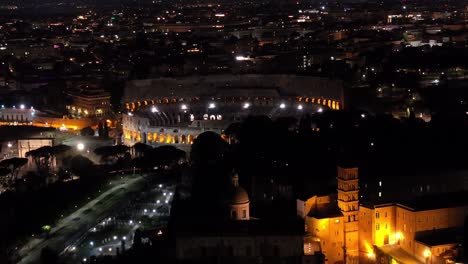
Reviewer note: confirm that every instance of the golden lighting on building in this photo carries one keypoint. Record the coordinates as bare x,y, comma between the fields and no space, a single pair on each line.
427,253
399,236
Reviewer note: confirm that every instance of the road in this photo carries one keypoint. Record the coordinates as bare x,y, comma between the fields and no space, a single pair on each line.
75,225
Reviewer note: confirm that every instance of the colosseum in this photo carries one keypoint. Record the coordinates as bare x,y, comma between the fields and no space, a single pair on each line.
176,110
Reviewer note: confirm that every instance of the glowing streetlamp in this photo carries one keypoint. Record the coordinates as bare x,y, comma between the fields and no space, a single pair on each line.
300,107
154,109
211,106
80,146
282,106
184,107
246,105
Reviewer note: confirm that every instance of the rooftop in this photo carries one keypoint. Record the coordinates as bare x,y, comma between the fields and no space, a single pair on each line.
440,236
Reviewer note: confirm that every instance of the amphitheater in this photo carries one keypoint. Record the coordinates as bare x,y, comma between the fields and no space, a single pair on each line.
176,110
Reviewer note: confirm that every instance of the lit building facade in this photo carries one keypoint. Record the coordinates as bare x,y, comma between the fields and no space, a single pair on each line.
417,231
88,101
332,221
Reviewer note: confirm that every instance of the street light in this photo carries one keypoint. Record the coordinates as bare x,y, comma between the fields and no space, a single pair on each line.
299,107
80,146
246,105
9,145
282,106
211,106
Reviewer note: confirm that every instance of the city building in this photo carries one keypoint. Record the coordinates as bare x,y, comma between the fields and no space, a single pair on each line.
177,110
88,101
225,230
344,228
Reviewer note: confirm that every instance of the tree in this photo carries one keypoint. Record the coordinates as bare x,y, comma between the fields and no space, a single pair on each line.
41,157
141,149
137,238
87,131
80,165
208,148
100,130
160,156
105,130
46,229
111,153
13,165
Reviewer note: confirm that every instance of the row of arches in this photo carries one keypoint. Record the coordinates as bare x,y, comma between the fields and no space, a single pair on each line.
168,138
159,138
332,104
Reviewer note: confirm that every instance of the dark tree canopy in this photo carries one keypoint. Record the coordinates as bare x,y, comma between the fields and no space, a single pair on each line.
80,165
87,131
208,148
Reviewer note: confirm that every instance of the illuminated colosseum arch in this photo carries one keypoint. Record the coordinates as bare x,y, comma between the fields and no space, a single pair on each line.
182,139
189,139
169,139
161,138
155,137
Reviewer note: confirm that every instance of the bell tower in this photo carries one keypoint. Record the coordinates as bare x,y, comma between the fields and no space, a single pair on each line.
348,202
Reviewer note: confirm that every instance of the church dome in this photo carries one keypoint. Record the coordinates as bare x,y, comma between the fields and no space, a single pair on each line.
239,196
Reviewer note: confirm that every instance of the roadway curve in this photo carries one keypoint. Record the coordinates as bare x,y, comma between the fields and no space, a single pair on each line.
72,227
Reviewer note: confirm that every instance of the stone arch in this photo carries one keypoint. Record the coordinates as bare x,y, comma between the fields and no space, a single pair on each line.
169,139
161,138
190,139
144,137
182,139
212,117
175,138
155,137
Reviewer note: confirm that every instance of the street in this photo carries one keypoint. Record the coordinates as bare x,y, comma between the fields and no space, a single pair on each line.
75,225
